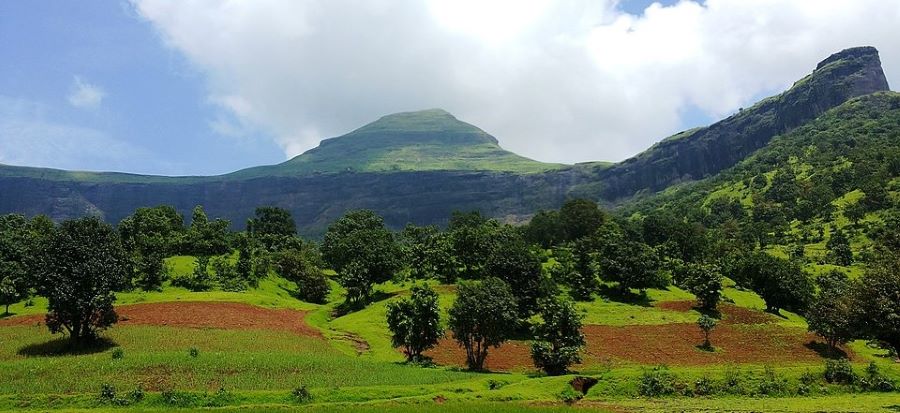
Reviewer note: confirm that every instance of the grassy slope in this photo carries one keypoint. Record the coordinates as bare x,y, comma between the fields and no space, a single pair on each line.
258,368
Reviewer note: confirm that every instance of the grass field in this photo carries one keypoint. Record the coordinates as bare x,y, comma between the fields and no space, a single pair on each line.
203,350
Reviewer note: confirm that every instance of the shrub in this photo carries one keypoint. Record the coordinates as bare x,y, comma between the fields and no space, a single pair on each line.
194,352
570,395
839,372
117,353
876,381
657,382
137,395
772,384
733,382
301,394
559,339
706,324
107,393
704,386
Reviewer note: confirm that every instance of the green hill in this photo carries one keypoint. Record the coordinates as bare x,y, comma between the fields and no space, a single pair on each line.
427,140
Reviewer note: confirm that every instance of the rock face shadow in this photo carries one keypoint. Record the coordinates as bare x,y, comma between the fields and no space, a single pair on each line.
65,347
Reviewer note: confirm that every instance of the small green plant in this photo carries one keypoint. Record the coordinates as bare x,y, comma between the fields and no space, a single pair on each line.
706,324
301,394
876,381
840,372
137,395
117,353
194,352
495,384
570,395
107,393
771,383
733,381
657,382
704,386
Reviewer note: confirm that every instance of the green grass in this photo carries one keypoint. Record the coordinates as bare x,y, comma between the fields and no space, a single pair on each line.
603,311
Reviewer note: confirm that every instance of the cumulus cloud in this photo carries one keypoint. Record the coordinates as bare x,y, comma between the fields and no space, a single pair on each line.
85,95
559,81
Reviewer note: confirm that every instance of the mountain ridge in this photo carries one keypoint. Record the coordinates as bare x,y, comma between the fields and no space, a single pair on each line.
321,184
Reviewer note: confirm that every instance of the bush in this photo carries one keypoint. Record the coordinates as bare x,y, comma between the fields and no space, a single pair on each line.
301,394
772,384
194,352
733,382
840,372
117,353
704,387
137,395
107,393
570,395
876,381
657,382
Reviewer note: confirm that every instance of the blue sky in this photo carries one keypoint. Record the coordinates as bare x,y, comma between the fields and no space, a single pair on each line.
153,99
208,87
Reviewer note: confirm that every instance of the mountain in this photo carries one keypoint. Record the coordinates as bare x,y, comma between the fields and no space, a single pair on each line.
427,140
420,166
702,152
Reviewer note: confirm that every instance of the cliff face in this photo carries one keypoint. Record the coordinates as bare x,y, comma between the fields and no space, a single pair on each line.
459,167
705,151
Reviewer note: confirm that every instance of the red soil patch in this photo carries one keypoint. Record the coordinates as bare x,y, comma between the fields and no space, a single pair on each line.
510,356
223,315
731,314
743,336
676,344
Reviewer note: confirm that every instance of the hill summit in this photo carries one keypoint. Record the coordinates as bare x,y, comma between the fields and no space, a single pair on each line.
425,140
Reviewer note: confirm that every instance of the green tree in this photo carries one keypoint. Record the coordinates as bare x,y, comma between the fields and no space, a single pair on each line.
150,235
855,212
583,279
483,316
780,282
558,339
545,229
705,282
415,322
363,251
205,237
270,220
706,324
839,247
471,237
304,267
631,265
877,300
513,261
580,218
831,313
12,284
82,265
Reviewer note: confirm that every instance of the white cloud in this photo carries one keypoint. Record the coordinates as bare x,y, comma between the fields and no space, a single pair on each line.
85,95
555,80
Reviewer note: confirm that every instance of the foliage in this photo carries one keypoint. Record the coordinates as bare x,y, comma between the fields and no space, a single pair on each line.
580,218
227,275
656,382
781,283
877,299
206,238
840,371
363,251
471,239
83,264
558,339
545,229
415,322
270,220
839,248
483,316
831,314
303,267
706,324
513,261
428,253
705,282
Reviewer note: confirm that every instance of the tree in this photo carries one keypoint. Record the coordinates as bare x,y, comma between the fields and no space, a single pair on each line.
705,282
855,212
207,238
580,218
545,229
839,247
227,274
831,313
631,265
271,221
513,261
415,322
582,276
483,316
558,339
151,234
428,253
12,284
82,265
780,282
304,267
471,238
877,300
706,324
363,251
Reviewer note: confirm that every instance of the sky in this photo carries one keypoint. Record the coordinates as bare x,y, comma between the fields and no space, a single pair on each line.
200,87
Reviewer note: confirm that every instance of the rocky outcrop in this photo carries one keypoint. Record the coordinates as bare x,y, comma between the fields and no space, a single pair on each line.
703,152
